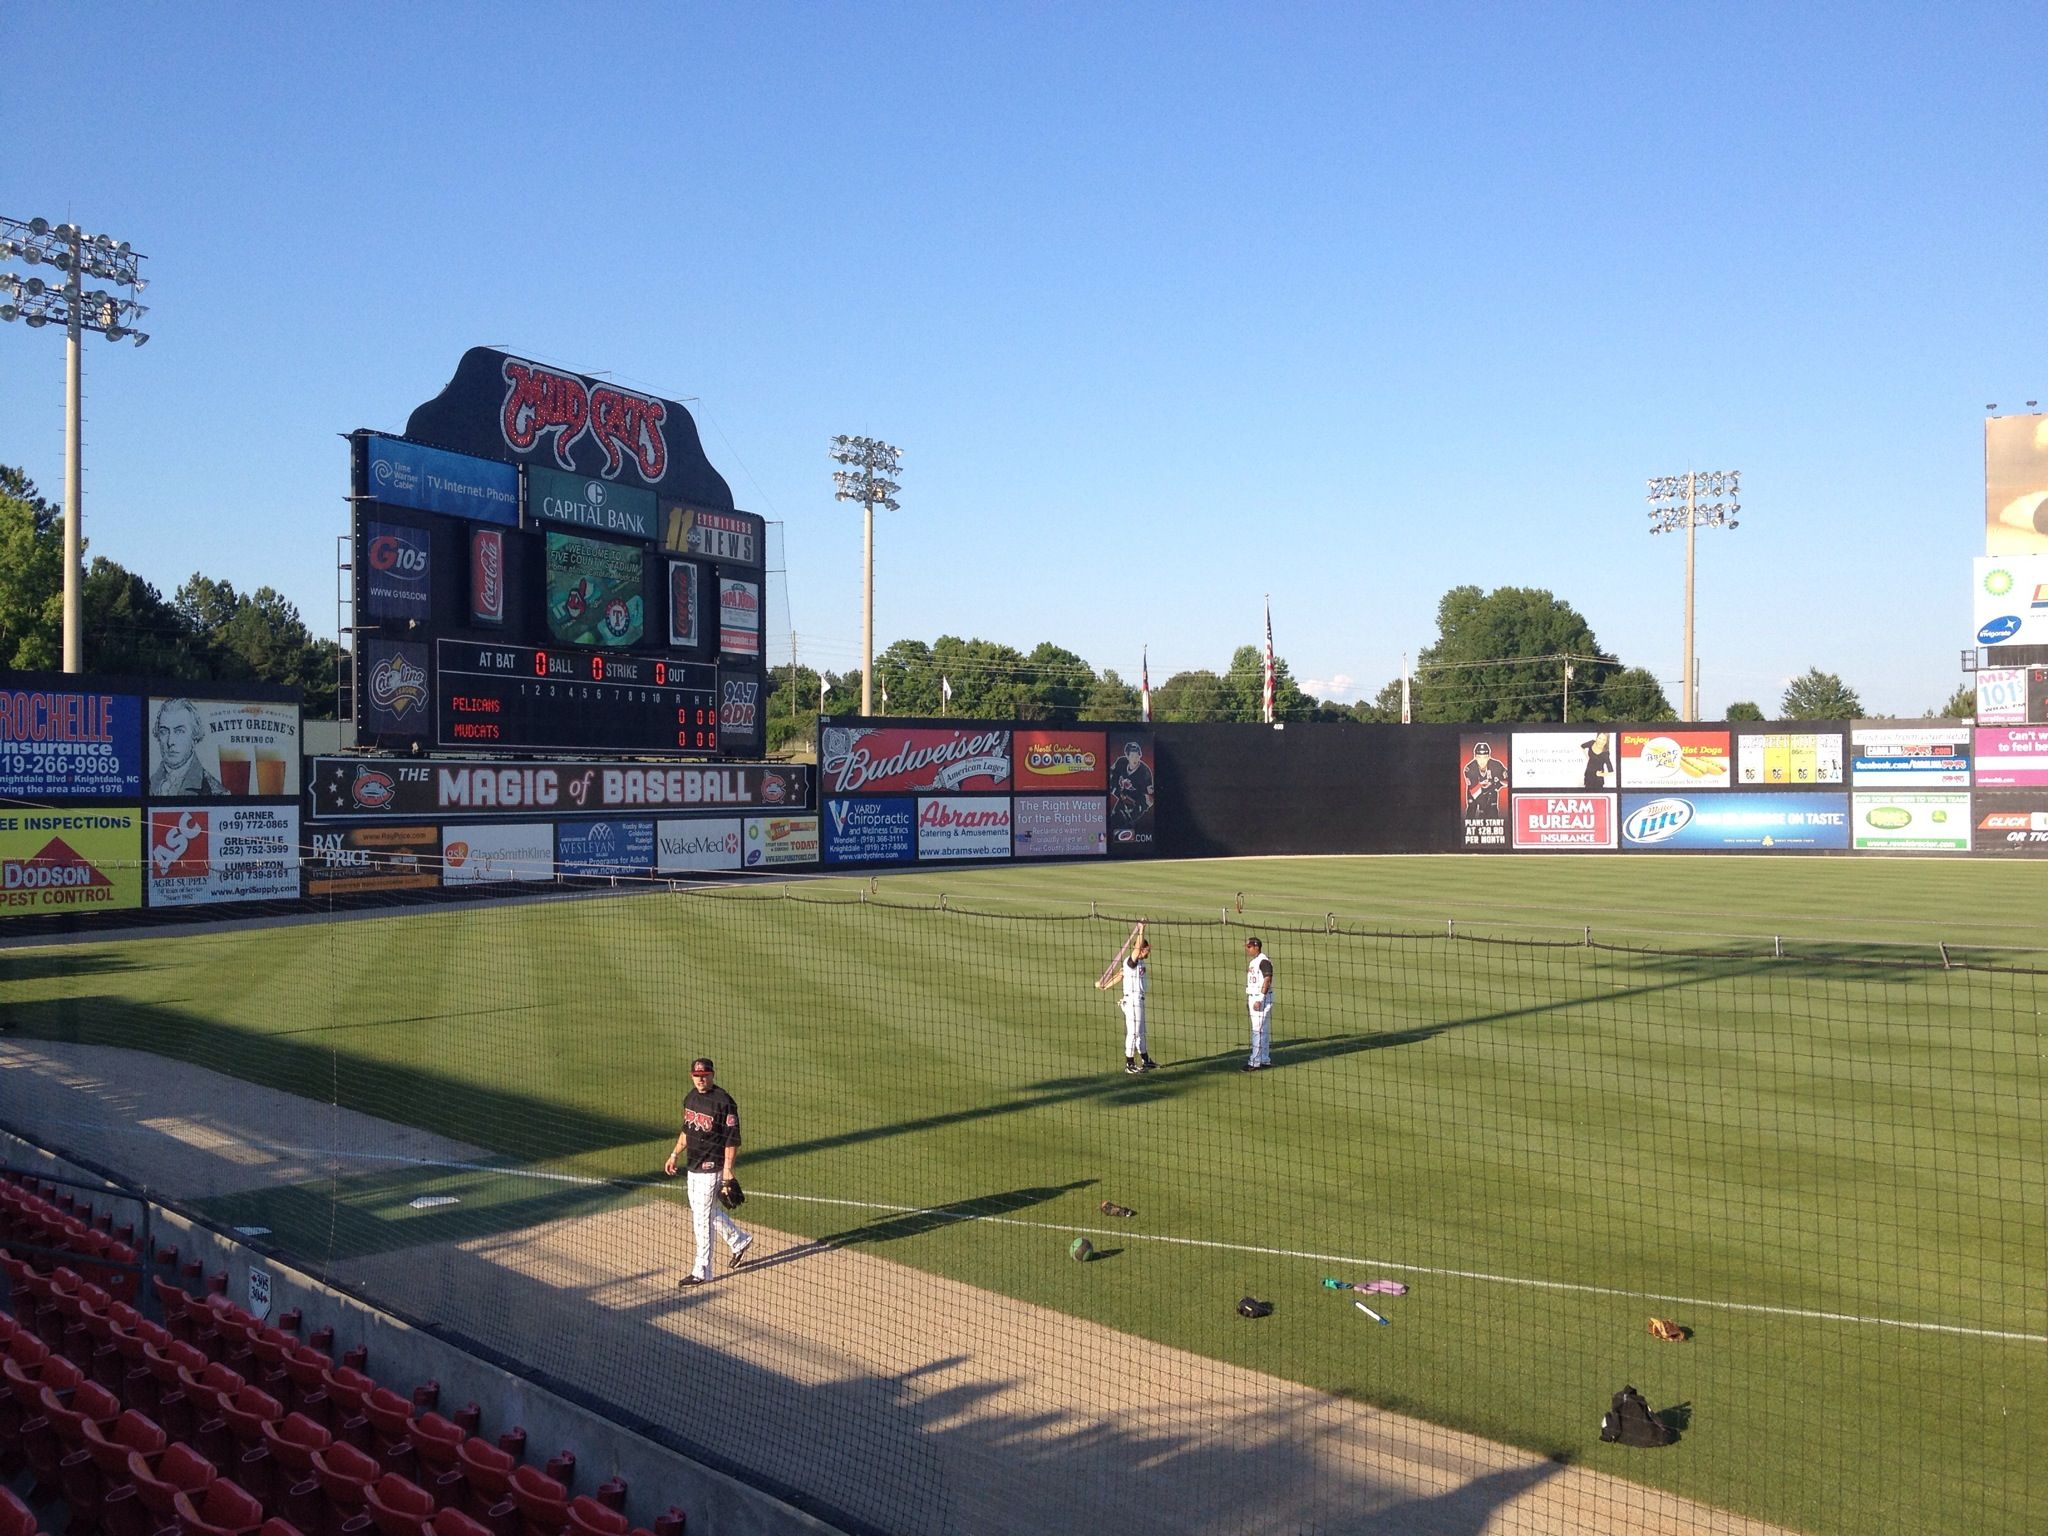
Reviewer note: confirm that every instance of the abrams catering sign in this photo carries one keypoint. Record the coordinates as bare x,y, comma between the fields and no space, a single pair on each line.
387,789
521,412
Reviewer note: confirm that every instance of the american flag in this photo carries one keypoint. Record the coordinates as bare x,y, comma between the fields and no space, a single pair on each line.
1269,660
1145,684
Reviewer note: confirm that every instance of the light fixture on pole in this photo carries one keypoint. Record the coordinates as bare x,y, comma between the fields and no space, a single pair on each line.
1681,501
69,303
868,478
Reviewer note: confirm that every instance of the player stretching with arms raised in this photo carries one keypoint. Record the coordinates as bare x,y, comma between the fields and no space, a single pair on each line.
1133,1004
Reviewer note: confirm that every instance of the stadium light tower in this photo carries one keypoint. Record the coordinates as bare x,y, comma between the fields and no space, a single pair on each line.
868,478
78,255
1676,502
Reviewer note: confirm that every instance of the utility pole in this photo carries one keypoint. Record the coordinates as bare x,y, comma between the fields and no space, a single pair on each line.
869,479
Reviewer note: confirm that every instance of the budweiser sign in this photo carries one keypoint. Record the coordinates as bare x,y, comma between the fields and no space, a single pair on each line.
879,759
541,402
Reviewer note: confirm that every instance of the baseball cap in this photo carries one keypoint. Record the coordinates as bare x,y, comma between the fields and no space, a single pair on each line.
1248,943
702,1064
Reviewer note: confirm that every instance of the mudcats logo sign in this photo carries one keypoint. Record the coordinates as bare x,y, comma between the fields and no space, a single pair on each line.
542,403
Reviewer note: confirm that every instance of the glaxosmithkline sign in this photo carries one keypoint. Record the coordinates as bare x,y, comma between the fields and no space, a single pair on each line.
386,789
866,760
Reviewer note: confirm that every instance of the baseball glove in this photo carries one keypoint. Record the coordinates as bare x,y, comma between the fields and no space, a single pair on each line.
1663,1328
730,1195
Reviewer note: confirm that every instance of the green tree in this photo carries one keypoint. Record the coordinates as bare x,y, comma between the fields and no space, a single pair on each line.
1192,696
1743,709
134,630
1961,705
31,576
1818,695
1110,698
1383,708
1500,656
1059,681
1245,688
906,669
1631,694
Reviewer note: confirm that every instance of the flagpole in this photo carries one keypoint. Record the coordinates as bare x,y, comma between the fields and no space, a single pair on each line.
1269,659
1145,683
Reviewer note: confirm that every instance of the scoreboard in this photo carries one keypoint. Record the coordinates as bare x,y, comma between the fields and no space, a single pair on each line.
500,698
545,563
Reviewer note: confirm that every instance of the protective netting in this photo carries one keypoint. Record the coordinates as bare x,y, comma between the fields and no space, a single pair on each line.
1826,1165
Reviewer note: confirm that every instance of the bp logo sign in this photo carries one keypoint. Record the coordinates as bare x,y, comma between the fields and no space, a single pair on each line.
1998,581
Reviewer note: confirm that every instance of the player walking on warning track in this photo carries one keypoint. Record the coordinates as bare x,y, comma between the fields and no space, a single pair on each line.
1258,998
709,1143
1133,1005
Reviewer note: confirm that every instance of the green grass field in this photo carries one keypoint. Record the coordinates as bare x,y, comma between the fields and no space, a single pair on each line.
1832,1147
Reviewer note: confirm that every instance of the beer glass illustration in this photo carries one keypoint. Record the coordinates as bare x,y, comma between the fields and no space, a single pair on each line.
234,767
270,763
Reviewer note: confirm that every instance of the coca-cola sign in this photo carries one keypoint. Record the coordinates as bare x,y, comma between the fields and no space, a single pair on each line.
487,576
516,410
871,760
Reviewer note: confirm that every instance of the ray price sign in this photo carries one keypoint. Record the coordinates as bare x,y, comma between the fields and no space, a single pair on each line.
518,698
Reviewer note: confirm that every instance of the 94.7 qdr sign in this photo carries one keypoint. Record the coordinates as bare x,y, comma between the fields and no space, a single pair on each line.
516,698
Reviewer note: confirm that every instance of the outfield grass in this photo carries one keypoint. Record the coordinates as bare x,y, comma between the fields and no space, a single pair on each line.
1823,1147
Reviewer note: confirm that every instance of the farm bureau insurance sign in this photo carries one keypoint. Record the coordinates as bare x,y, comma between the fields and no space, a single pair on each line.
1563,823
866,760
386,789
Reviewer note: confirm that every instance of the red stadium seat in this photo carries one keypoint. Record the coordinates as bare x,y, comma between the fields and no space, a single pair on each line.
16,1518
291,1443
157,1481
346,1390
165,1399
453,1522
487,1472
438,1441
102,1465
390,1419
55,1432
587,1517
306,1369
397,1505
224,1509
343,1472
543,1503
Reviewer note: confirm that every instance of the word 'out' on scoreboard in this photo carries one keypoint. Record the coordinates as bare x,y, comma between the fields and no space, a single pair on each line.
545,562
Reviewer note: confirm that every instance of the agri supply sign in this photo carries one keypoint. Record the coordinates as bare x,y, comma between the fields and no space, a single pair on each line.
1769,822
1062,760
870,760
954,827
775,841
870,831
60,744
1910,821
1563,823
1789,758
2013,757
201,854
1922,757
70,861
1655,759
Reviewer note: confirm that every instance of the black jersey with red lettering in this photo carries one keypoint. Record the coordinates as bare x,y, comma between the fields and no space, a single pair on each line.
711,1123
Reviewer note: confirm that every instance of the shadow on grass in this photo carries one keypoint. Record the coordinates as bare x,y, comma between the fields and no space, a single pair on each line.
43,966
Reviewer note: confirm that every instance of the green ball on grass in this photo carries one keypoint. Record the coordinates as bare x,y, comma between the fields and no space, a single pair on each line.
1080,1250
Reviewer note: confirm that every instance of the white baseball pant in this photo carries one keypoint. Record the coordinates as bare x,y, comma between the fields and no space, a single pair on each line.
705,1215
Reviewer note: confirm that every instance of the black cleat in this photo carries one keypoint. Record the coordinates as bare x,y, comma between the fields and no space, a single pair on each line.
738,1256
689,1280
1131,1064
1147,1064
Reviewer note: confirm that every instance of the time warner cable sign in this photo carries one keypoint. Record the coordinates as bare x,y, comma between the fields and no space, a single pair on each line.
1762,821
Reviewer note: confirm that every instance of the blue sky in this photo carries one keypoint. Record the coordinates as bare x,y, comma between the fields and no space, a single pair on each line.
1168,307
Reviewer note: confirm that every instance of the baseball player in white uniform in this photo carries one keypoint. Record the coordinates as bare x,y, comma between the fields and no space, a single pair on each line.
1258,998
1133,1005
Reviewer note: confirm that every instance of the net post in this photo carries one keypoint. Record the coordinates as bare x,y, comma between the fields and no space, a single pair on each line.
1777,946
1450,927
1329,922
1944,958
1589,936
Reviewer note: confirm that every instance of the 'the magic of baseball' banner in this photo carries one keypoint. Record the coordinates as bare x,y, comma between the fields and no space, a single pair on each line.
59,745
1672,759
388,789
1563,823
1740,819
70,861
885,758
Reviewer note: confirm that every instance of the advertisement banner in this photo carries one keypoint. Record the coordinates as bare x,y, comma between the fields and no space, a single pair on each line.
395,565
870,831
1739,819
1133,797
871,759
486,576
1791,758
739,711
739,617
399,789
213,747
1659,758
58,744
1060,826
2002,696
1564,823
2010,600
2016,486
433,480
730,538
776,841
2011,823
1061,760
584,848
495,854
953,827
624,511
593,591
1561,760
1908,820
1483,787
2011,757
360,859
201,854
713,843
1925,757
392,697
682,603
70,861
